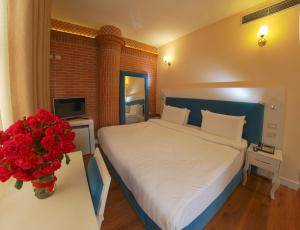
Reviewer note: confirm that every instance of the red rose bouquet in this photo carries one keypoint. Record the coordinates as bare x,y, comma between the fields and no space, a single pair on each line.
32,149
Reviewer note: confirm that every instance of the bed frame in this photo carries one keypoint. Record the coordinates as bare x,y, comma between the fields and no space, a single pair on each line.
254,113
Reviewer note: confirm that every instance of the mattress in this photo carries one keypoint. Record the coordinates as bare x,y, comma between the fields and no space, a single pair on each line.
174,172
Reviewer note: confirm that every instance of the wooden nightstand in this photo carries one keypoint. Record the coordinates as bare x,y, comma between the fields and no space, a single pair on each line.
269,162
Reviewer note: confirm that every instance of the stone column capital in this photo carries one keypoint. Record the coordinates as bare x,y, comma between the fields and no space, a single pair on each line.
110,39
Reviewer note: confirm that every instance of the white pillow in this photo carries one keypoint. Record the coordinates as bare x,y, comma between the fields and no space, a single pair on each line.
136,109
174,115
187,116
227,126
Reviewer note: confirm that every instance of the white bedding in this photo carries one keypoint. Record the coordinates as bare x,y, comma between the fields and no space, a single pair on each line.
173,171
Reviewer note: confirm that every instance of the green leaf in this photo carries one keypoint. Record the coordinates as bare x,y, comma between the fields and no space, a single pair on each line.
18,184
67,159
45,179
61,157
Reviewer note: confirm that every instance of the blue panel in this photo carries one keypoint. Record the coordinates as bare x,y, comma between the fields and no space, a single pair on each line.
136,102
122,98
198,223
254,113
95,182
122,93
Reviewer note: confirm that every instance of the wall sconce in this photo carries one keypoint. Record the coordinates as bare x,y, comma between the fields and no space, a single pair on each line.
263,31
167,60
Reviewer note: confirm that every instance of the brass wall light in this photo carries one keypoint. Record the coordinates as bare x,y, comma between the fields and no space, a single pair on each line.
262,32
167,60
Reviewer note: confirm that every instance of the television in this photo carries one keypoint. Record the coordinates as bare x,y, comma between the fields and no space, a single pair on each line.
68,108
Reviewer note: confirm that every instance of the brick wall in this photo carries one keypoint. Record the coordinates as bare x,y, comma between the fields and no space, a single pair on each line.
76,74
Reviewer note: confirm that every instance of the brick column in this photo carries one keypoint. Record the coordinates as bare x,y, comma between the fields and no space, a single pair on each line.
110,44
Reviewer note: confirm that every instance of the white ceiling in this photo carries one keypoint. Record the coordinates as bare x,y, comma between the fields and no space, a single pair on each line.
155,22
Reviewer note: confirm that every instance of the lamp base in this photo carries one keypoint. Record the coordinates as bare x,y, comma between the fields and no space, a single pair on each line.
262,42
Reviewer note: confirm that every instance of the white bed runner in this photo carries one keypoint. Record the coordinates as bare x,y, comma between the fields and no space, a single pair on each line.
173,171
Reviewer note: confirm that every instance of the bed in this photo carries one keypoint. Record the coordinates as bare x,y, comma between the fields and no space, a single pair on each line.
175,176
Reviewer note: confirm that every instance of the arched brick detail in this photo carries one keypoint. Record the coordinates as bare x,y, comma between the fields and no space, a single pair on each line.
110,30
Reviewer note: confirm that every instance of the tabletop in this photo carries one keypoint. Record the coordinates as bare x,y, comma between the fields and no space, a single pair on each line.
70,207
277,154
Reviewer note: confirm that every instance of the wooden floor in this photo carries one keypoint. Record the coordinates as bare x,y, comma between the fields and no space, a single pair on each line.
249,207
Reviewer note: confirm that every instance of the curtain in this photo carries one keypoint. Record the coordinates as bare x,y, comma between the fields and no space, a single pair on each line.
6,117
28,49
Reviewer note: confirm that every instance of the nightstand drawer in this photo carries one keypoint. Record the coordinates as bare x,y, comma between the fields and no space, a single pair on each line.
264,162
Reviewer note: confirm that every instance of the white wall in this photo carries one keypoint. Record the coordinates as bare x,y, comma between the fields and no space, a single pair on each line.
226,55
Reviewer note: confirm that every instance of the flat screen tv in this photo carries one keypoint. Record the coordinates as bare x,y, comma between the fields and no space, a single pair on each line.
68,108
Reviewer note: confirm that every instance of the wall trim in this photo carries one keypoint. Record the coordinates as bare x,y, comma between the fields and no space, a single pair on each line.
283,180
289,183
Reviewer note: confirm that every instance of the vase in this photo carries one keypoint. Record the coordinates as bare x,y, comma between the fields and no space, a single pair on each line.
44,186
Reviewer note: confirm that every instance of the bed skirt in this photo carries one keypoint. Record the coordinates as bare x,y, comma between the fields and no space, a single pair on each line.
199,223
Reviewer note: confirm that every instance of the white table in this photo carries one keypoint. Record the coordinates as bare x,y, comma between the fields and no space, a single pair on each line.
265,161
69,208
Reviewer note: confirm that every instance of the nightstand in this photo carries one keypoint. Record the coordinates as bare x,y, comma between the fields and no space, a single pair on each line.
266,161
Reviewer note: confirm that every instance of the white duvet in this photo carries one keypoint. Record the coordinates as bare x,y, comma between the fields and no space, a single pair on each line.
173,171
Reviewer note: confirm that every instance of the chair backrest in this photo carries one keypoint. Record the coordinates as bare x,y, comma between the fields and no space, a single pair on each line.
106,179
95,182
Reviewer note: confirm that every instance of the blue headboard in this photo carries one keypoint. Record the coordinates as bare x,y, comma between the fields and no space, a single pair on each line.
254,113
136,102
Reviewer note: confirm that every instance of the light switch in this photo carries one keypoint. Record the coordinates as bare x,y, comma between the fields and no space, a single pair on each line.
272,126
271,134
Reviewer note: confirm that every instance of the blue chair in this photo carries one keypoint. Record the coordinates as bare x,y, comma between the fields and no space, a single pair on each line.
99,182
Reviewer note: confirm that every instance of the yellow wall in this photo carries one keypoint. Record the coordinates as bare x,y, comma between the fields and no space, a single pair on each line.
226,54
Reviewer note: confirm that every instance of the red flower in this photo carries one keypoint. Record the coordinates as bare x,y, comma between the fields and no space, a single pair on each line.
10,149
3,137
66,146
51,168
37,133
51,131
22,175
38,174
63,125
48,142
32,148
44,116
16,128
32,122
24,163
69,136
5,174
